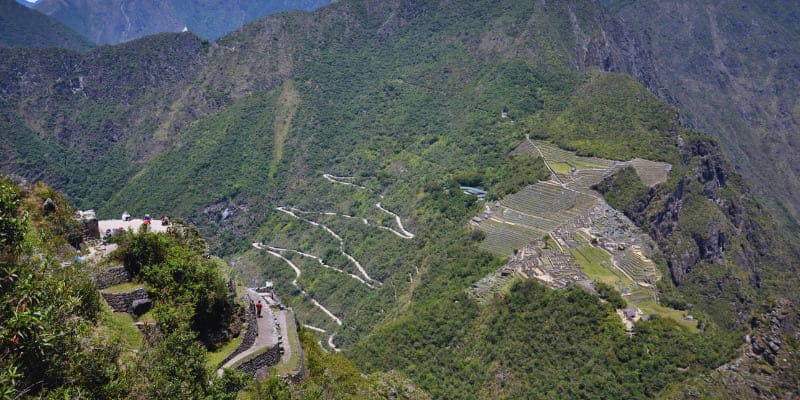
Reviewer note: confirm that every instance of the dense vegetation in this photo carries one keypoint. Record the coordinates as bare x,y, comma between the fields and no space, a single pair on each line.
57,339
187,286
333,376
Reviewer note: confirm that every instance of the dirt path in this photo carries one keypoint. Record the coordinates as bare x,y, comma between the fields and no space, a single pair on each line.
321,263
298,272
342,180
336,236
403,232
546,164
287,105
330,338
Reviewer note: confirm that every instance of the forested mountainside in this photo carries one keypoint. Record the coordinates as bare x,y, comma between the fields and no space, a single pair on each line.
324,151
22,27
732,68
110,22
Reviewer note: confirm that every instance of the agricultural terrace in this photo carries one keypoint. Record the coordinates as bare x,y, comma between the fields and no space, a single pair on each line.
530,214
651,172
562,161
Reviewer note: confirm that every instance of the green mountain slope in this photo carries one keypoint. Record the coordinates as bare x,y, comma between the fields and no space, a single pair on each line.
731,69
333,144
90,114
22,27
111,22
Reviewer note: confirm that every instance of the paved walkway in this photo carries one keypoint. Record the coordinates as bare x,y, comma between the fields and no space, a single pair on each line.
267,334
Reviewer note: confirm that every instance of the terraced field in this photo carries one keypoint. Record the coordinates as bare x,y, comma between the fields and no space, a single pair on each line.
502,238
598,241
651,172
549,200
583,179
554,154
642,271
541,224
530,214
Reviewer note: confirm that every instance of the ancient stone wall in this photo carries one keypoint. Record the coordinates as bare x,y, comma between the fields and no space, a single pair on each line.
91,228
265,359
250,334
298,376
123,302
110,277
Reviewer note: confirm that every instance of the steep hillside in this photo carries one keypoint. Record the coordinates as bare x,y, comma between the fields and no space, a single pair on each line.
110,22
731,68
324,151
22,27
84,121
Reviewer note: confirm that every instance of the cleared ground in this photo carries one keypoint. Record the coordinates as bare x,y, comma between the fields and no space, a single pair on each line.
133,225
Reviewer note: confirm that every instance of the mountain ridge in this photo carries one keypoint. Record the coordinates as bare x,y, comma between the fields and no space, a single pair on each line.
21,26
123,20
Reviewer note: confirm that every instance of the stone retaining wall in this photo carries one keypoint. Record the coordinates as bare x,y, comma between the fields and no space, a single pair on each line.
123,302
250,334
91,228
298,376
265,359
110,277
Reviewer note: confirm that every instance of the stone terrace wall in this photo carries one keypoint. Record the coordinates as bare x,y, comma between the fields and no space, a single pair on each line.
123,302
265,359
110,277
249,336
300,375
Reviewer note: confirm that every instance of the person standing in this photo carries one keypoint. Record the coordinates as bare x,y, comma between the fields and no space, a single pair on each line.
258,308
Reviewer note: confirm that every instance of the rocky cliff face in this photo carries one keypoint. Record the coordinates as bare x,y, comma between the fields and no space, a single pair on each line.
732,68
716,242
767,362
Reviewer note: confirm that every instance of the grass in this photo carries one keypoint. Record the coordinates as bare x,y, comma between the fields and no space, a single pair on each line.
124,287
560,167
595,264
121,328
651,307
147,317
294,343
591,260
213,359
284,113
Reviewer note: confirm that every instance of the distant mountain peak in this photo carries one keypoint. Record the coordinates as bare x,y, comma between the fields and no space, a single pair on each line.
28,3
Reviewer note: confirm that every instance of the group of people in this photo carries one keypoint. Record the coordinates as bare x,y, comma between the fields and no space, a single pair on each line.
147,219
